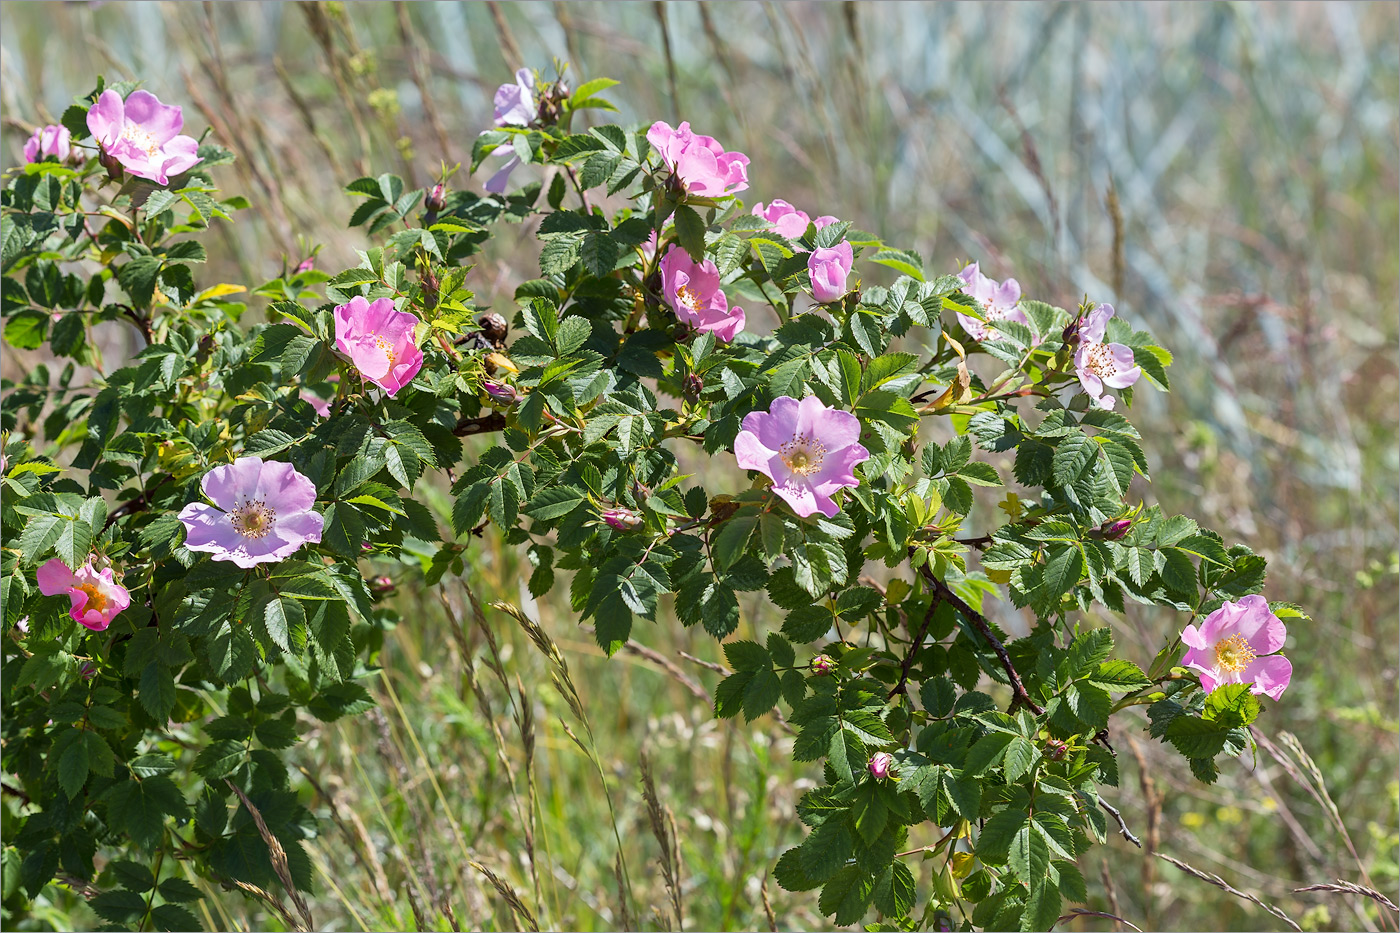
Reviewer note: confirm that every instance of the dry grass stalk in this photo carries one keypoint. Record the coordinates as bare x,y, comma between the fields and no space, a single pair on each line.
508,894
1225,886
1347,887
279,859
663,828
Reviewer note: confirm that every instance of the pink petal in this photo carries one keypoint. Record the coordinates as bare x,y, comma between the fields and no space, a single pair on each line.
207,528
227,486
1221,623
1270,675
145,110
1192,638
1095,324
804,499
106,118
281,488
749,451
1264,631
55,577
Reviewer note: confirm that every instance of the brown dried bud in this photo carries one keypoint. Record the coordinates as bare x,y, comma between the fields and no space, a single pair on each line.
493,328
692,387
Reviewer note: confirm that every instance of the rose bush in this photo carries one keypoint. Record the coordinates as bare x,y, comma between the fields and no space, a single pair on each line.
195,537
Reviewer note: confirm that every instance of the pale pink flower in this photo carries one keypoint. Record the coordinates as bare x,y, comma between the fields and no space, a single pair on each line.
379,341
1000,301
515,103
703,167
143,135
830,267
262,512
1231,646
787,220
51,140
96,595
1099,364
809,451
694,294
880,765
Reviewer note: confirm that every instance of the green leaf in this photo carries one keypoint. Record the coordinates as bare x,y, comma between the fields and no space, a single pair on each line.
1063,570
553,502
690,231
73,762
1119,674
1072,455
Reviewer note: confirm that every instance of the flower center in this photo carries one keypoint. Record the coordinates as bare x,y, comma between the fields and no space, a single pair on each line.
141,139
1101,363
253,519
96,601
1233,654
803,454
688,298
388,348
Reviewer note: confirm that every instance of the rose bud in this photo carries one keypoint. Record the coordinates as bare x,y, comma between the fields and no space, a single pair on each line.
306,265
111,164
382,586
500,393
622,519
1113,530
823,664
880,765
437,198
1055,750
693,386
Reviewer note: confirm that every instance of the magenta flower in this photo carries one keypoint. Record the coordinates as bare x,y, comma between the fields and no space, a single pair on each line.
693,290
1000,301
515,103
829,268
1230,648
262,512
1099,364
787,220
622,519
97,597
809,451
703,167
51,140
880,765
143,135
379,341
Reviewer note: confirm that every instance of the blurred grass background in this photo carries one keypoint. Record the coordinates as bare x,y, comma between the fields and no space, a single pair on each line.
1225,174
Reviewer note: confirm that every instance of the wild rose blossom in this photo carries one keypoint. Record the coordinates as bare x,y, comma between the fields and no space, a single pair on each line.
830,267
787,220
694,294
379,341
515,102
1099,364
143,135
262,512
96,595
703,167
51,140
808,450
880,765
1236,645
1000,301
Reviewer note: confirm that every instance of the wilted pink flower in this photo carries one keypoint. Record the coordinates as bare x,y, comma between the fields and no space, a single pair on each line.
96,595
787,220
262,512
809,451
515,103
880,765
829,268
1099,364
693,290
823,664
1000,301
703,167
501,393
51,140
622,519
1230,648
379,341
143,135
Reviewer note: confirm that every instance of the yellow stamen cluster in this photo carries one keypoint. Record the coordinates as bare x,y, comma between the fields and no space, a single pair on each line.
1101,361
252,519
1233,654
383,344
96,600
688,298
803,454
141,139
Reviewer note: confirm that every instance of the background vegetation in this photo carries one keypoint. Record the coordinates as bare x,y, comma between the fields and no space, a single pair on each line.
1226,175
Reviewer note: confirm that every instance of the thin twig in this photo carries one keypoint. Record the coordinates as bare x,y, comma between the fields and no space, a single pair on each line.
914,645
486,424
1225,886
1122,826
663,662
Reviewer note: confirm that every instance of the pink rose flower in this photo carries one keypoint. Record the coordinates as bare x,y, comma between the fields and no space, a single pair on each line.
829,268
1099,364
51,140
880,765
515,103
143,135
262,512
694,294
97,597
787,220
379,341
1000,301
1231,646
703,167
809,451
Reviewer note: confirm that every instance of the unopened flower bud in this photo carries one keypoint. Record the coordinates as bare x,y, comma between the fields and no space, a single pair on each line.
881,763
693,386
493,327
823,664
437,198
380,587
430,288
1114,530
500,393
88,670
306,265
1070,335
1055,750
622,519
111,164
